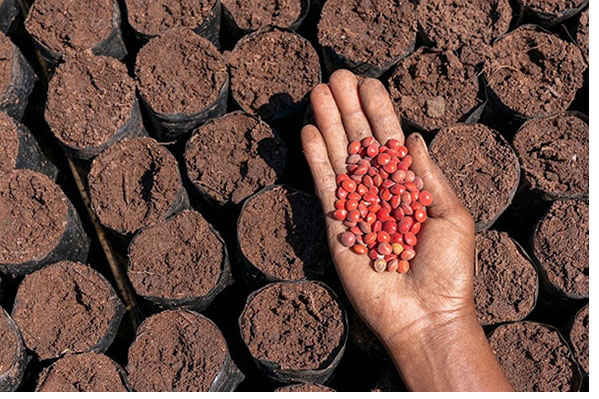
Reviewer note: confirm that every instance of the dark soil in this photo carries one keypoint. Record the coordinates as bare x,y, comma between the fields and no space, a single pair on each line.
551,6
579,336
6,62
305,387
9,142
582,33
8,345
253,15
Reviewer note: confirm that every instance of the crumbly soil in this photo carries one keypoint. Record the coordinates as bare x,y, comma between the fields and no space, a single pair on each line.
258,13
6,62
582,33
298,326
9,143
8,345
551,6
89,99
305,387
272,71
376,32
533,357
232,157
579,336
281,232
434,89
176,351
180,73
481,167
554,154
505,280
561,244
71,317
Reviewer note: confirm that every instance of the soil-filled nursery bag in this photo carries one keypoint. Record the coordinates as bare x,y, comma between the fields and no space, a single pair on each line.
8,11
16,79
579,337
13,356
548,13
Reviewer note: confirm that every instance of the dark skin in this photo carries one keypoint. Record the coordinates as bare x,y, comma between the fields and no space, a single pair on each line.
426,317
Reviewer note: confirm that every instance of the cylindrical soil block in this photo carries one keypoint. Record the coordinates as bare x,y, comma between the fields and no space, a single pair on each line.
554,154
533,73
183,80
16,79
67,307
561,247
551,12
84,372
181,262
582,33
272,72
244,16
464,26
295,331
535,358
432,89
92,104
9,9
180,351
579,337
505,281
367,37
230,158
481,167
13,356
38,224
305,387
60,27
134,184
281,235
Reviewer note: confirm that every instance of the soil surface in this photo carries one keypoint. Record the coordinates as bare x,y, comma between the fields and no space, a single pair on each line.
272,71
305,387
134,184
579,336
33,216
281,232
376,32
176,259
176,351
253,15
433,89
71,317
6,62
561,244
249,157
551,6
89,99
9,142
534,73
582,33
8,345
505,280
86,372
533,357
554,154
481,167
180,72
298,326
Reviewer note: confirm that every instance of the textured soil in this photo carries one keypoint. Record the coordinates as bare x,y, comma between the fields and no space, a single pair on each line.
177,351
305,387
282,233
561,244
86,372
534,73
376,32
433,89
89,99
554,154
6,62
481,167
258,13
9,143
176,259
8,345
551,6
505,281
272,71
180,72
134,184
248,157
71,317
582,33
579,336
298,326
534,357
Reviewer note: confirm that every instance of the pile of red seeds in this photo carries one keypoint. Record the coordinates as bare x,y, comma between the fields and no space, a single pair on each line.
382,202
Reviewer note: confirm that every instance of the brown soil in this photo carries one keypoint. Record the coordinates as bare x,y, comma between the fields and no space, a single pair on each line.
534,73
505,281
258,13
134,184
8,345
376,32
554,154
533,357
9,143
298,326
33,216
86,372
281,232
232,157
481,167
6,62
71,317
561,244
551,6
579,336
582,33
155,17
176,351
272,71
305,387
433,89
89,99
176,259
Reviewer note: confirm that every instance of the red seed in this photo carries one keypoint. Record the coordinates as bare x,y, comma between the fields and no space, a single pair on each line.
372,150
351,204
377,179
353,147
359,249
410,176
390,226
390,257
354,196
411,187
402,150
374,208
383,149
397,238
379,265
385,205
415,195
382,215
426,198
398,189
419,183
416,205
362,189
353,159
407,160
395,201
415,229
393,265
383,159
370,197
348,239
363,209
370,218
406,198
364,227
391,167
341,193
398,176
341,177
384,248
398,213
385,194
374,190
350,223
353,216
356,230
366,141
370,238
397,248
367,181
388,183
393,144
377,226
383,236
356,178
340,214
349,185
410,239
361,170
405,224
420,215
408,254
340,204
403,266
372,254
